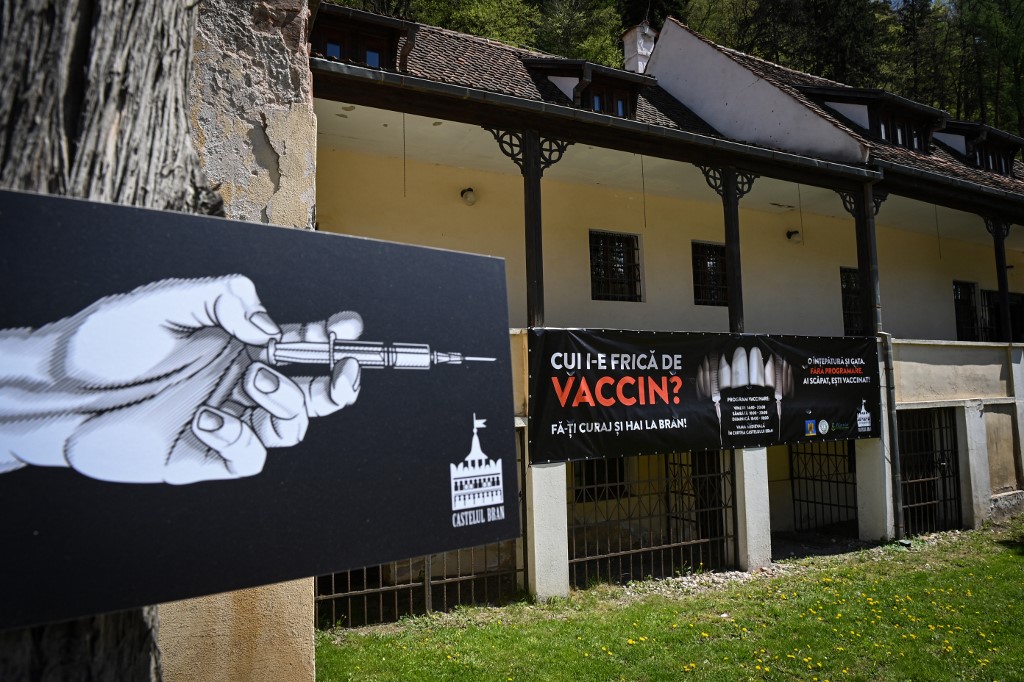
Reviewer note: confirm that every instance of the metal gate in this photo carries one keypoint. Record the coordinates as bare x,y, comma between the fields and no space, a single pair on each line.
638,517
824,483
930,470
488,574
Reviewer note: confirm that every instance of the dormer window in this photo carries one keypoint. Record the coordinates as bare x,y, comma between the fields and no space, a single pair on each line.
993,160
593,87
607,99
981,146
350,35
901,132
890,118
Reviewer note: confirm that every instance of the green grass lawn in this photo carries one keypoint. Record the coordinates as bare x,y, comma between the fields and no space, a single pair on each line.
949,607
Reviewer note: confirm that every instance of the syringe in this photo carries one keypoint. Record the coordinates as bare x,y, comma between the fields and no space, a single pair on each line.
366,353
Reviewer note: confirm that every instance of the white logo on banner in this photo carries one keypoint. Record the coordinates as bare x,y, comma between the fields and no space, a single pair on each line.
476,484
863,418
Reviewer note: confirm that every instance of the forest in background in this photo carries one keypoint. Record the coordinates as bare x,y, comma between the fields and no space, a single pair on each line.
963,56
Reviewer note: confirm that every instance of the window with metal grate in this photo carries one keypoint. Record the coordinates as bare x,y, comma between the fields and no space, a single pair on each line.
853,316
614,266
710,284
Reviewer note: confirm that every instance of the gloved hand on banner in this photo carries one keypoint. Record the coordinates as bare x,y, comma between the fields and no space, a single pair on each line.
163,384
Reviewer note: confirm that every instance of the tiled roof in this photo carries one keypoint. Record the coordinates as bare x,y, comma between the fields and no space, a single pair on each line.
460,59
446,56
939,161
944,162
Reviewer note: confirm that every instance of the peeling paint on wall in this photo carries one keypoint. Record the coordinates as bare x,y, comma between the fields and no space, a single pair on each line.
252,109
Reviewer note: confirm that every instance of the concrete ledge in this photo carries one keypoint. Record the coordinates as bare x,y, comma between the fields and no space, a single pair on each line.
1005,505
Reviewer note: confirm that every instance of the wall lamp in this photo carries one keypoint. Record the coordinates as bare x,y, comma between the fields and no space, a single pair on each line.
794,236
468,196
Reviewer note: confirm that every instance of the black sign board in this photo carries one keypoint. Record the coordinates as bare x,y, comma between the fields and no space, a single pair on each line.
610,393
191,405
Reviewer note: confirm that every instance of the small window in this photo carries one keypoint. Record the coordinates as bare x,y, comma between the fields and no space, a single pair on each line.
607,99
965,306
614,266
333,49
853,315
599,479
373,58
710,283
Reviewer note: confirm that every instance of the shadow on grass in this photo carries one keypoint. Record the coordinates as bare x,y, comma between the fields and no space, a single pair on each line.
840,538
1015,543
1013,534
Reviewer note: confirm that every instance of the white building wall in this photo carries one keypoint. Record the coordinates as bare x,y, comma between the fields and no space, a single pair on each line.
789,287
741,105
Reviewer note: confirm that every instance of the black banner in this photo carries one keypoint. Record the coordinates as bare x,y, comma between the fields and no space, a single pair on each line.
610,393
192,405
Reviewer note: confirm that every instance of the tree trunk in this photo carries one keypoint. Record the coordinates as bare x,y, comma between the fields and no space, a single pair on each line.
94,102
95,106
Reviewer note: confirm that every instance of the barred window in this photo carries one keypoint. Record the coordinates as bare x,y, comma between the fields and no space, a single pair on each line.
965,305
600,479
710,284
853,313
990,317
614,266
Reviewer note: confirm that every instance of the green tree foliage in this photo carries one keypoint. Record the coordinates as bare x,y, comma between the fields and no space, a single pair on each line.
836,39
581,29
510,21
963,56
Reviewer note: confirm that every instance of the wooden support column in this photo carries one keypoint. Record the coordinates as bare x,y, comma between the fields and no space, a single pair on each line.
533,154
863,205
1000,229
732,185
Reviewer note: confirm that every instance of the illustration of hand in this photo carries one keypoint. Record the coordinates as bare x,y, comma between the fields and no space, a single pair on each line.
163,384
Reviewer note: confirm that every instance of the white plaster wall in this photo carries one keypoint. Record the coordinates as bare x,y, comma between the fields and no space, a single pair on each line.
950,371
789,287
875,520
753,510
739,104
547,519
373,196
564,83
975,487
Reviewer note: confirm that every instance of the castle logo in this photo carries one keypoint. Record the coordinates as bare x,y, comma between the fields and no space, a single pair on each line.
478,494
863,418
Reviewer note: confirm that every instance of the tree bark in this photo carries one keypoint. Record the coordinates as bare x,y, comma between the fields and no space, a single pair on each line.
95,106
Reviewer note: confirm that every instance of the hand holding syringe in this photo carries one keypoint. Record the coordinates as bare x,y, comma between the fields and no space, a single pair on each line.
372,354
179,381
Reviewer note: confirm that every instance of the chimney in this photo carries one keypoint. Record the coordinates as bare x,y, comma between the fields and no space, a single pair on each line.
637,46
